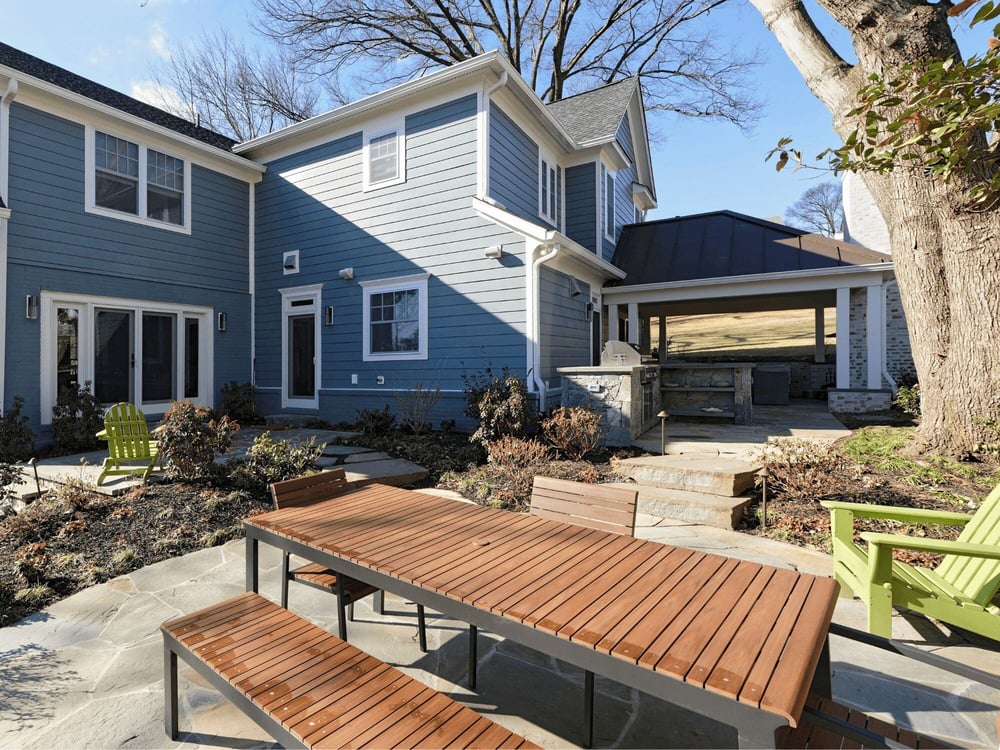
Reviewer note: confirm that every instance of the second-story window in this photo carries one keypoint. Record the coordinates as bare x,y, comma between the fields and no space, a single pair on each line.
116,180
608,202
549,188
384,157
131,181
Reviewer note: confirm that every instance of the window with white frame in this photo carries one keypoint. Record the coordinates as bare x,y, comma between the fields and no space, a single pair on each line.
128,180
384,158
146,353
608,202
549,188
395,318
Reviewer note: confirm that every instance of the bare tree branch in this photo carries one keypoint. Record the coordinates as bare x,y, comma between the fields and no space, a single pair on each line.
218,82
571,45
819,209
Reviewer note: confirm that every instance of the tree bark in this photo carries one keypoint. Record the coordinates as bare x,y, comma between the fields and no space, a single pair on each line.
946,258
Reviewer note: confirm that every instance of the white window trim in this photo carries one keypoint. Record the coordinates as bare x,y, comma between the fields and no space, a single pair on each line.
312,293
543,212
378,286
604,171
91,207
369,134
87,305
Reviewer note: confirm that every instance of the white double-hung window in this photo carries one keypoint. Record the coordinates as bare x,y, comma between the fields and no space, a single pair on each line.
607,190
384,157
395,318
128,180
549,188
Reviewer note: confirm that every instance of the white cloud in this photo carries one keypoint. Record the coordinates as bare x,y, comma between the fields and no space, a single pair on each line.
99,55
153,93
157,41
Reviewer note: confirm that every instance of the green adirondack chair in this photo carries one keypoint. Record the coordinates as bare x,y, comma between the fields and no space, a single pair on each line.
959,591
130,448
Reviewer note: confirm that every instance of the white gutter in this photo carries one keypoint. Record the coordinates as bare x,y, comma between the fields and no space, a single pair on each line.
5,99
548,252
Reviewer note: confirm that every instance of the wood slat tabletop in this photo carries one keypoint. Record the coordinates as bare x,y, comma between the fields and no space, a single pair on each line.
748,631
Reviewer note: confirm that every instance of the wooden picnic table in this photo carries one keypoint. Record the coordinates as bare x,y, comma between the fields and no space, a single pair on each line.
734,640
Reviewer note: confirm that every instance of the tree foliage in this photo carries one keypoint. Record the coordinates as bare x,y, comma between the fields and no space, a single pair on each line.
559,48
820,209
222,84
933,115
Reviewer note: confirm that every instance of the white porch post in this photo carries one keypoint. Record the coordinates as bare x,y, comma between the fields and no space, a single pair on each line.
875,330
820,352
612,322
633,323
844,337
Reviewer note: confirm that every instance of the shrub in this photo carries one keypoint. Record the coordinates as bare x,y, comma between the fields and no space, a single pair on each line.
16,438
191,439
500,403
574,430
77,417
908,399
375,422
238,401
10,475
802,469
516,453
270,460
415,406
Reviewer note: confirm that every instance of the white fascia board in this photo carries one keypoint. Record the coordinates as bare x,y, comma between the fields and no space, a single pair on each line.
785,282
640,143
642,197
546,237
301,135
69,105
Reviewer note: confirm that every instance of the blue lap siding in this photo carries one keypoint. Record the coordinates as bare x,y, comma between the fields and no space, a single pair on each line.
55,246
313,202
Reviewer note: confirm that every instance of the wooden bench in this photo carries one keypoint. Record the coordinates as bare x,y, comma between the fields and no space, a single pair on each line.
828,724
308,688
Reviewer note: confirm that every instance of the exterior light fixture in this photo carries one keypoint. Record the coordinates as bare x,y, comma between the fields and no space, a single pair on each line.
31,307
328,315
494,252
223,321
346,273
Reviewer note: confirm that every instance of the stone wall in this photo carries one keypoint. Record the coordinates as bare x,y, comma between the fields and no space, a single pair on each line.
617,394
857,401
898,356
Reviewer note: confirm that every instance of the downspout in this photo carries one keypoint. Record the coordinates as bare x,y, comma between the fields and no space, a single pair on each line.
252,274
534,321
484,188
5,99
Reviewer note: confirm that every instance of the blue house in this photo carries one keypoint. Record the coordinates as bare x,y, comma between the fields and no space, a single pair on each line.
448,224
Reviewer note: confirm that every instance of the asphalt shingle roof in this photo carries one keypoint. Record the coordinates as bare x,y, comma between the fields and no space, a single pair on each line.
725,243
594,115
38,68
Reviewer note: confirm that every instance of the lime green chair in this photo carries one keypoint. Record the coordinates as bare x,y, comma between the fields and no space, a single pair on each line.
129,442
959,591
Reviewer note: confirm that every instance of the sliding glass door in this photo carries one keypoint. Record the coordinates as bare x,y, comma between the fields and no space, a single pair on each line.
114,355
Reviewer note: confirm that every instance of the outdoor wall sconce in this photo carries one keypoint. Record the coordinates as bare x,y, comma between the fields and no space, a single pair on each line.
223,321
346,273
588,311
494,252
31,307
328,315
290,262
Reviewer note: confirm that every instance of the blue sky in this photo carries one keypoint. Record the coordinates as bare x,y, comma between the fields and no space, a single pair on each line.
698,165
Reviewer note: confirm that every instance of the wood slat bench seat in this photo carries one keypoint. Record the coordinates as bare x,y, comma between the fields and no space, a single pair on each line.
308,688
811,733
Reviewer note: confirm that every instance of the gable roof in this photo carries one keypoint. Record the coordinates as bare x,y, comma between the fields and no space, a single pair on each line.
38,68
594,116
723,244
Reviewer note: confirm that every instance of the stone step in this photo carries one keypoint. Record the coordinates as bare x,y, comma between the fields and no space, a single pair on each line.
714,476
720,511
395,471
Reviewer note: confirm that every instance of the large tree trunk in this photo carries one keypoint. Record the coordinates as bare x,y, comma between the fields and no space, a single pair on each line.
947,259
